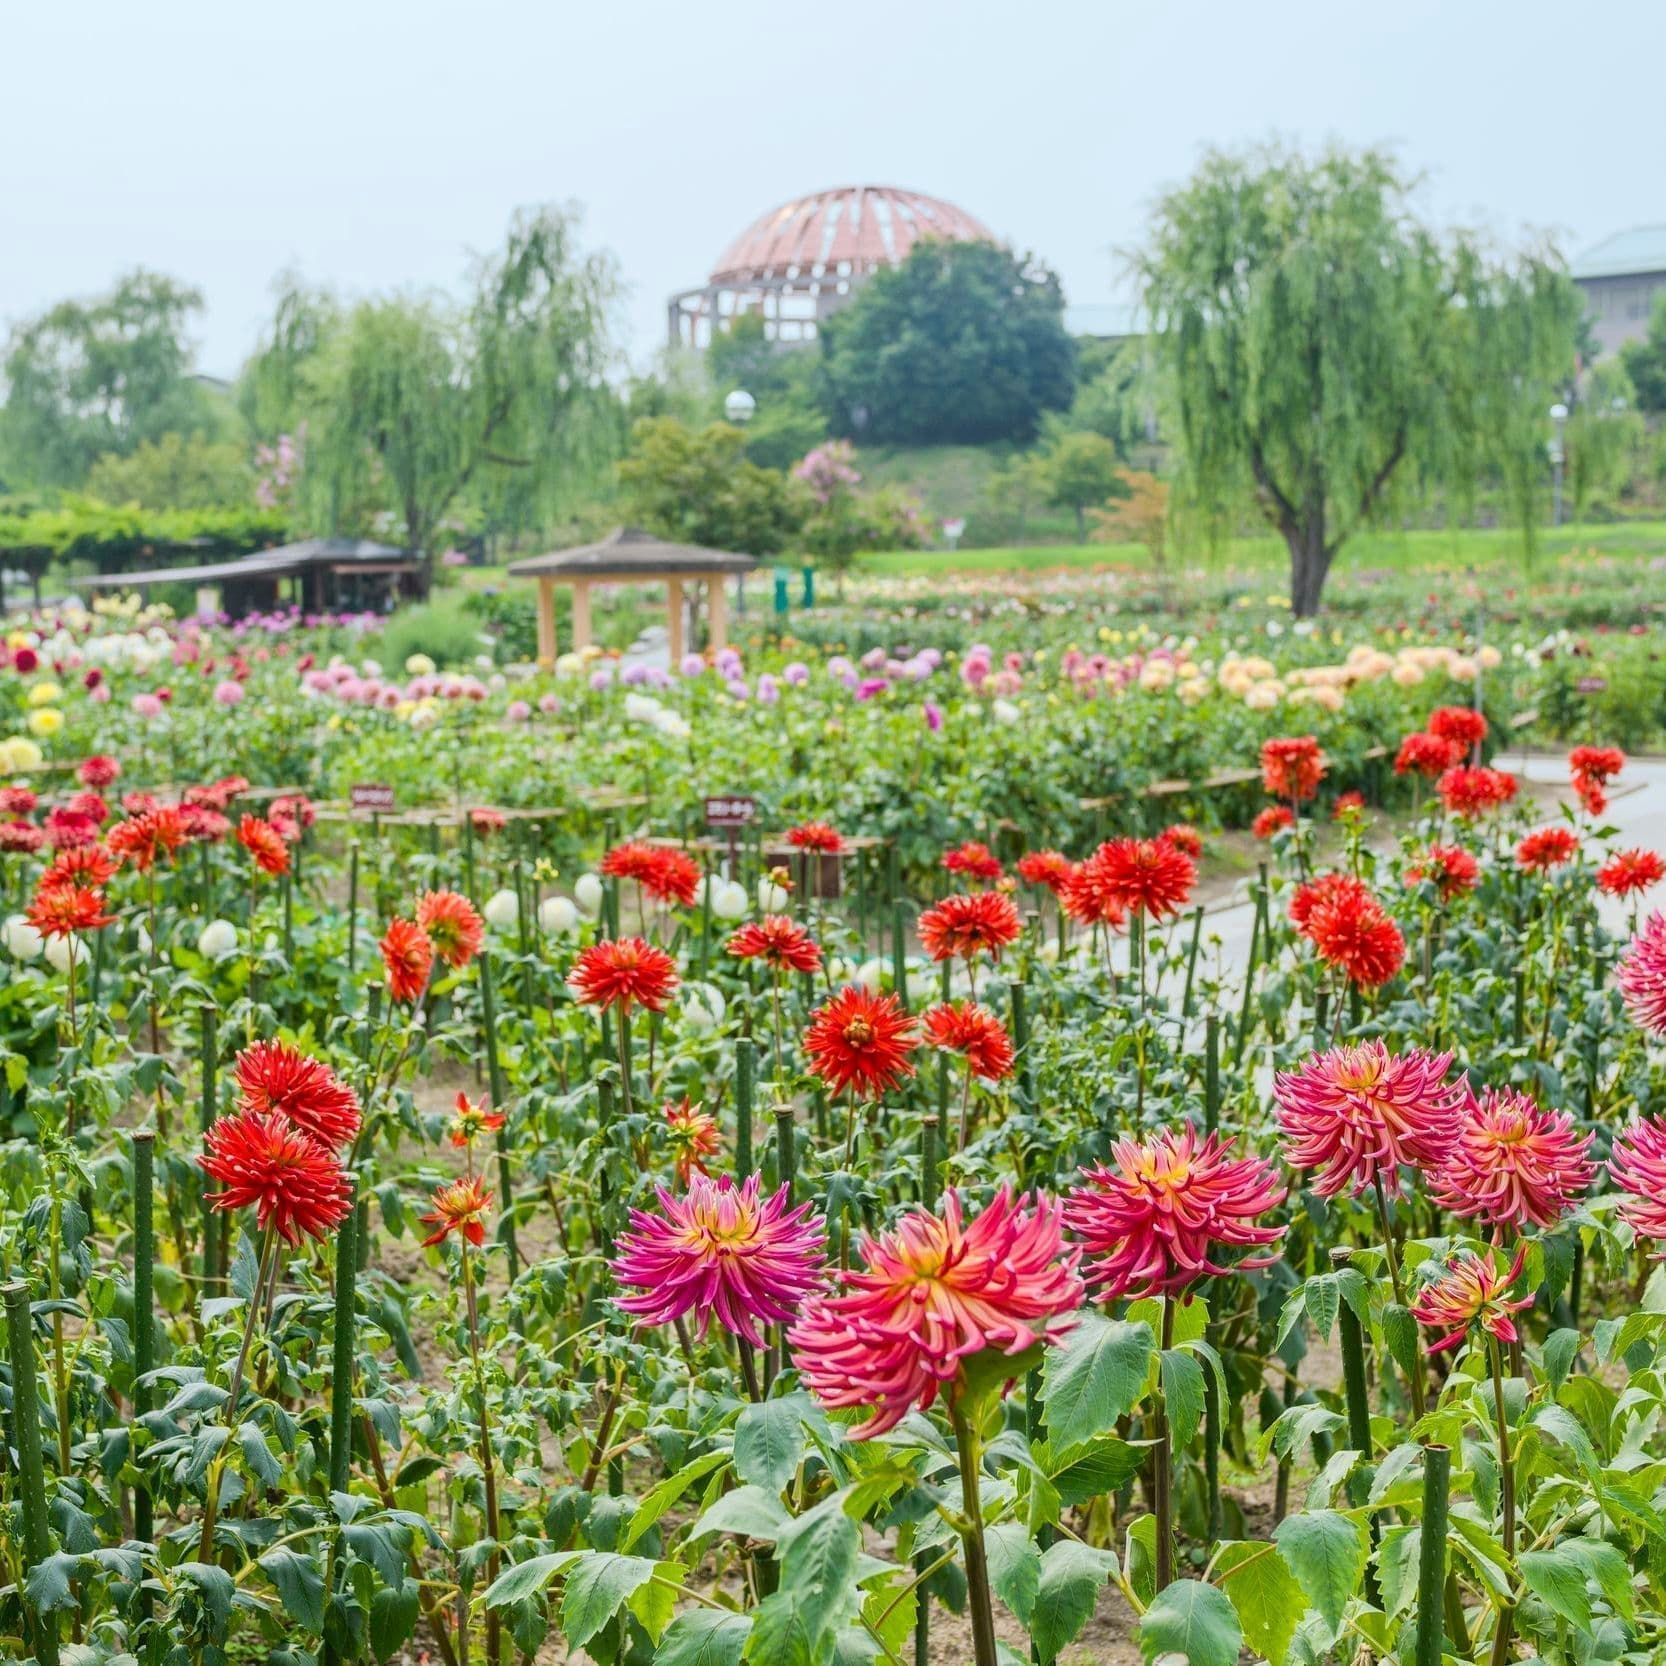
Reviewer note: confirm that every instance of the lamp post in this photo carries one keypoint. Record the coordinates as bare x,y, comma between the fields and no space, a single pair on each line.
738,407
1559,419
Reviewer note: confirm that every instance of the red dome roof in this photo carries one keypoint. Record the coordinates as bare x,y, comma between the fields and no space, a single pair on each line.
854,228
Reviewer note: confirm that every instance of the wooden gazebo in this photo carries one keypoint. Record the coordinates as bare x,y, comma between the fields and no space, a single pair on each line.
628,555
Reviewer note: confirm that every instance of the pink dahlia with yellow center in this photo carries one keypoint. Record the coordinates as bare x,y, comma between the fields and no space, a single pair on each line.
935,1292
1514,1163
1158,1217
1472,1291
1638,1168
1358,1114
721,1250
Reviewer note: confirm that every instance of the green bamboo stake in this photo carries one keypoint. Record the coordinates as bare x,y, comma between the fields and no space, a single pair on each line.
1191,961
37,1538
1431,1561
1212,1072
899,954
210,1110
1020,995
930,1125
494,1076
784,1159
1355,1393
144,1303
341,1378
746,1068
352,908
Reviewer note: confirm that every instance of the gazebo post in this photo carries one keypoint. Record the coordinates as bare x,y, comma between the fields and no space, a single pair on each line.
674,608
546,620
581,614
717,611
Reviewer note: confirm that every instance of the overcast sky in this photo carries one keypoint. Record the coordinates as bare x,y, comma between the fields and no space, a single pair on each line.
373,144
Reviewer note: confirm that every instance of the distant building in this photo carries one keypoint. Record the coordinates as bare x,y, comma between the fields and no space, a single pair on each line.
803,261
1620,278
1106,320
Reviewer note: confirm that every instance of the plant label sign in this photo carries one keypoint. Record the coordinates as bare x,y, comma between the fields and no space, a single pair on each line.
731,810
370,800
1591,685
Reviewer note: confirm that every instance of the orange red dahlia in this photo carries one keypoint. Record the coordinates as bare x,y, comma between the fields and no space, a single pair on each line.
1513,1162
1592,767
721,1251
815,835
1153,877
980,922
1451,869
1292,767
143,840
409,958
458,1206
1547,848
469,1120
975,1033
1274,819
1472,792
65,909
1359,1113
1354,933
1154,1221
624,973
1628,872
265,844
779,941
1472,1291
1051,868
263,1160
274,1079
974,859
452,924
861,1041
1463,726
1426,755
935,1292
89,865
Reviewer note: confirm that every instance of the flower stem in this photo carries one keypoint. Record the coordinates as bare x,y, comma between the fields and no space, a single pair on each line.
1162,1462
1507,1501
978,1599
1414,1378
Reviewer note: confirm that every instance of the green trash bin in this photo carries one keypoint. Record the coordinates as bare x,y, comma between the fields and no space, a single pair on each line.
809,587
782,602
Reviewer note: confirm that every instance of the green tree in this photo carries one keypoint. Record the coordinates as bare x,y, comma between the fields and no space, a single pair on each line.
1604,437
1013,489
963,342
1321,346
781,377
1114,396
697,486
1082,471
176,472
408,406
91,378
1645,360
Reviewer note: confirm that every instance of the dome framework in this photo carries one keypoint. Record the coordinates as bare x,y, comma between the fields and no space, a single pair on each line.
801,262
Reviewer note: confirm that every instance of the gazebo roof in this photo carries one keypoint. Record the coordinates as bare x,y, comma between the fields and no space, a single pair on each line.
628,552
287,559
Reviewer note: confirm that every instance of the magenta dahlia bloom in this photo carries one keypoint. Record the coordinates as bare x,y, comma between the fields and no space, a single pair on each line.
1357,1114
1514,1163
1154,1221
1641,975
721,1250
1472,1291
1637,1166
935,1291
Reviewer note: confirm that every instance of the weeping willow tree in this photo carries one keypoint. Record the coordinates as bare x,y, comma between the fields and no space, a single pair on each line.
410,406
1325,352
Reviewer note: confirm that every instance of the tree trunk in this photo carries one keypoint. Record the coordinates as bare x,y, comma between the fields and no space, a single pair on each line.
1081,524
1309,563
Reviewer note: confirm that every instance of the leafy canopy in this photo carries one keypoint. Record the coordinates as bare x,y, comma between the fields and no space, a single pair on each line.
963,342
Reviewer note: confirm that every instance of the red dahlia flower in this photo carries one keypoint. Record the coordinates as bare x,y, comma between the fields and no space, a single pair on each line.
1472,792
1051,868
265,844
1353,932
485,820
98,772
205,825
695,1136
89,865
21,836
1628,872
815,835
1472,1291
275,1079
974,859
1513,1163
1348,804
469,1120
68,829
459,1206
973,1031
1152,1222
1184,837
1292,768
1426,755
17,801
778,941
1451,869
1462,725
64,910
1641,975
1144,876
861,1041
967,926
144,840
1547,848
1638,1168
1274,819
623,974
294,1184
452,924
1089,899
409,958
89,804
1356,1114
721,1250
1592,768
1325,887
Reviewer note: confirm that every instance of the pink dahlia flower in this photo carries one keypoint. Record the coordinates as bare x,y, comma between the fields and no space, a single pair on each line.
1357,1114
721,1249
1153,1222
1514,1163
1641,975
1472,1291
1638,1168
936,1291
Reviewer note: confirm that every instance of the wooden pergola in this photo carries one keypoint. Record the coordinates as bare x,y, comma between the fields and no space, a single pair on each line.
628,555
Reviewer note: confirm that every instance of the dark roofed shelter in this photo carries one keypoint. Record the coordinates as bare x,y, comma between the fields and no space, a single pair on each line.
627,555
330,574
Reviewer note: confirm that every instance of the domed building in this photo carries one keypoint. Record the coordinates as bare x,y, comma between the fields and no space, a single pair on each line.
802,261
